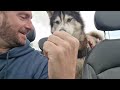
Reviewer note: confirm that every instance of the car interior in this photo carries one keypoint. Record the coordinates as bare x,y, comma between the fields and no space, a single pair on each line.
103,62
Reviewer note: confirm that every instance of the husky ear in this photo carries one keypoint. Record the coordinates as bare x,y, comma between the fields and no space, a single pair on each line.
50,13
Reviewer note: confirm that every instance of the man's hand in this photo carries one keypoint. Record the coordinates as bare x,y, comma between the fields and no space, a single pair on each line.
61,49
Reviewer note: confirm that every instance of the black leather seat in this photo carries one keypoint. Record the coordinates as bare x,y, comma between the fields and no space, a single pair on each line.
31,35
41,42
104,60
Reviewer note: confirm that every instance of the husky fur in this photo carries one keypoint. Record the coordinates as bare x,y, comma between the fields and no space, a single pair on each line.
72,23
97,36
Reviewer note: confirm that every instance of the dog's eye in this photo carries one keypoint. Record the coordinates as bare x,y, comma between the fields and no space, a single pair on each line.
57,22
69,19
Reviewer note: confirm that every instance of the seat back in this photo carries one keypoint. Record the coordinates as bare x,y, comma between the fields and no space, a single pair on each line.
103,62
31,35
41,42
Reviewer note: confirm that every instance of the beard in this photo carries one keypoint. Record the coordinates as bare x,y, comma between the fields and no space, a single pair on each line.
9,34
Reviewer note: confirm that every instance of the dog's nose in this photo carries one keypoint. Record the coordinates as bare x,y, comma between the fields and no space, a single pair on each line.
62,30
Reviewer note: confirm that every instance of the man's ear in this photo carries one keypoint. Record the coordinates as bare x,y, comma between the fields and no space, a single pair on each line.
50,13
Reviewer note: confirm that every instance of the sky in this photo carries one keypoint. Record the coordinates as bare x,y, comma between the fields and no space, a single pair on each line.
41,22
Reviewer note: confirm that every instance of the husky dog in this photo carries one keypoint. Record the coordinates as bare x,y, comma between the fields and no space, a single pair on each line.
71,22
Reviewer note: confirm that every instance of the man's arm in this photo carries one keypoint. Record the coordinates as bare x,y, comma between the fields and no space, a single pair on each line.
40,66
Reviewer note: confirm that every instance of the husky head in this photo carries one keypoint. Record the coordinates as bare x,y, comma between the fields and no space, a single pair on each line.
68,21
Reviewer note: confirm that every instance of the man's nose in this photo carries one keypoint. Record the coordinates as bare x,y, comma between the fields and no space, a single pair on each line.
29,26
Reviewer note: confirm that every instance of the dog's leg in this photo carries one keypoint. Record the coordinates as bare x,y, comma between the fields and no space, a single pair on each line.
79,68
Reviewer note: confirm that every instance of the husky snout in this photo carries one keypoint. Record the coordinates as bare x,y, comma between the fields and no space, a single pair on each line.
62,30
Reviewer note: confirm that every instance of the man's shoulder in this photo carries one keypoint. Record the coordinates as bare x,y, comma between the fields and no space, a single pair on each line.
37,55
40,64
34,56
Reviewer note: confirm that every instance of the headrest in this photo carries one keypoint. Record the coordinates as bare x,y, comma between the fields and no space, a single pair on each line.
31,35
107,20
41,42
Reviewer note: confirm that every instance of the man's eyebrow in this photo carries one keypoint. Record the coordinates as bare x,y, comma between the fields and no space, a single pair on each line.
24,13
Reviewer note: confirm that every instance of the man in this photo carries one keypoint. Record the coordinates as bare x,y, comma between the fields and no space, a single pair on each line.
19,61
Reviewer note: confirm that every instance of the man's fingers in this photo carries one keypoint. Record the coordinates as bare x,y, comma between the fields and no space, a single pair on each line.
67,37
49,47
55,39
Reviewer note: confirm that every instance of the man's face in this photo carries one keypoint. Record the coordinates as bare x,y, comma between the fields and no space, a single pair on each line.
14,25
